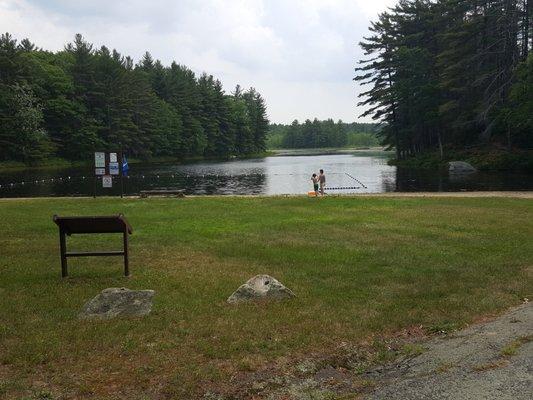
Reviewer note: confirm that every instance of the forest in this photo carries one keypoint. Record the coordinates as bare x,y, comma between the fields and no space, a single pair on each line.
451,74
322,134
72,102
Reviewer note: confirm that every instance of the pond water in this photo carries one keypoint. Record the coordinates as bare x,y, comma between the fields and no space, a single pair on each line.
355,172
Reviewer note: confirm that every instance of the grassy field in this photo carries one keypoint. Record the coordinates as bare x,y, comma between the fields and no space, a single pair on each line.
361,268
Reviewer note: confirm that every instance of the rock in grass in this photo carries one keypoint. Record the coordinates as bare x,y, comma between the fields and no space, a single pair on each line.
118,302
261,287
460,167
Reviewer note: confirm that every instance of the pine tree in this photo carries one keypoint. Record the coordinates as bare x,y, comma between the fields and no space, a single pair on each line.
441,71
86,99
258,119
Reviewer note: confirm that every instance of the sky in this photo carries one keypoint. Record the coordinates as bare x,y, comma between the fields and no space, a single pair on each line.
299,54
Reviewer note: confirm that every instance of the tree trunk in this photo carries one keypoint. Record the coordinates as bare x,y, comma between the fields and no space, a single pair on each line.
395,125
508,136
440,145
525,29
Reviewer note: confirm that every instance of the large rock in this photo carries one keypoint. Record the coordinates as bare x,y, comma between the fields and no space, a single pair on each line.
261,287
118,302
460,167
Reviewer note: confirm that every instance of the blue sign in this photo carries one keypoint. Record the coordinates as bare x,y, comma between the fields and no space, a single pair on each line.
113,168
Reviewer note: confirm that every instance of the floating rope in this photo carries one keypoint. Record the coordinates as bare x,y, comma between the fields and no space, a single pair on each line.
357,180
172,176
343,188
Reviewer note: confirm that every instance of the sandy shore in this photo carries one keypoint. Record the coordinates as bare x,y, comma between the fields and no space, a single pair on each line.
522,195
518,195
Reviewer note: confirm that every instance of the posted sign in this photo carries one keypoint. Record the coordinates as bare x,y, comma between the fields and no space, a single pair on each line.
113,168
99,160
107,181
108,165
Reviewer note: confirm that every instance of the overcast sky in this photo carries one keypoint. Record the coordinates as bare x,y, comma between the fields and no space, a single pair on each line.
299,54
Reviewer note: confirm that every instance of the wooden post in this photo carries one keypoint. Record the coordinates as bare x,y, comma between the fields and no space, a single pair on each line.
63,248
120,155
126,260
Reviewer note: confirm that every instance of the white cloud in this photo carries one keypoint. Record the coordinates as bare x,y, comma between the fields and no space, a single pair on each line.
299,54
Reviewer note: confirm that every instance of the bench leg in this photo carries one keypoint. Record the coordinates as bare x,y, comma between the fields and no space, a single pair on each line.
126,259
63,250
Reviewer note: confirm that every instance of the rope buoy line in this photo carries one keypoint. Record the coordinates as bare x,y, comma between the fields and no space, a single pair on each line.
179,175
343,188
357,180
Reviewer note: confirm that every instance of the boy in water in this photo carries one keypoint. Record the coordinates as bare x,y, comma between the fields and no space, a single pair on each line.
314,178
322,180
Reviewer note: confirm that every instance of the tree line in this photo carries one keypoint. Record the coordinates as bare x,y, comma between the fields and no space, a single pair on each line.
75,101
321,134
451,74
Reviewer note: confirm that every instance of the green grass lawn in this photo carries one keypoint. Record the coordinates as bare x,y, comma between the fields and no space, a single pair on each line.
361,268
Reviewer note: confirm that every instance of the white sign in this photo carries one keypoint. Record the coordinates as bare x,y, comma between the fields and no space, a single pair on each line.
113,168
99,171
99,160
107,181
112,157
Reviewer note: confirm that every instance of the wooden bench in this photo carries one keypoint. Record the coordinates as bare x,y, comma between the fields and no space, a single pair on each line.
87,225
163,192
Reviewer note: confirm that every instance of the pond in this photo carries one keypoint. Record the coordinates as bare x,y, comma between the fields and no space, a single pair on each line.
288,173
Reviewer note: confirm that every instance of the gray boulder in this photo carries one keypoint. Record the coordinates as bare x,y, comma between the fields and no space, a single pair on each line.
261,287
460,167
118,302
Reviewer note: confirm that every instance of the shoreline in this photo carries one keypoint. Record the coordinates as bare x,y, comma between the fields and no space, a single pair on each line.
481,194
60,163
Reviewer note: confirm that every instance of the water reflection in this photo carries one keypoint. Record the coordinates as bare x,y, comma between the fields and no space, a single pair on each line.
288,174
415,180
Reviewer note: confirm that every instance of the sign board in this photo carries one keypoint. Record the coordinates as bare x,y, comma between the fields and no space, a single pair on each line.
107,181
109,165
99,160
113,168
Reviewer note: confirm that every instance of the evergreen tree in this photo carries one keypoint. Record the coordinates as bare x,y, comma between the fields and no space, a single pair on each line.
225,141
82,99
258,119
516,117
441,71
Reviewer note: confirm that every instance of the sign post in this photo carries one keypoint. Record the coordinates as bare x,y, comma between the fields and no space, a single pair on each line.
107,166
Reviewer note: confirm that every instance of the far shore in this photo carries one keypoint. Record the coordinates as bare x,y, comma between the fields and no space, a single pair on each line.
58,163
329,150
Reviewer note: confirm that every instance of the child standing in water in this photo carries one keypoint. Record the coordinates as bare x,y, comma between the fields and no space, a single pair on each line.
314,178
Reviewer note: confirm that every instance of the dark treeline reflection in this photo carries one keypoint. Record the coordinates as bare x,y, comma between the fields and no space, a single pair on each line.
417,180
85,186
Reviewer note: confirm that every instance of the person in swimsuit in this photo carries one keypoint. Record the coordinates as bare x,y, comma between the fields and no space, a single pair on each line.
322,181
314,178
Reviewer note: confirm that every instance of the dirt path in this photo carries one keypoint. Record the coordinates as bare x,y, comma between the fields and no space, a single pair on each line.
487,361
493,360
